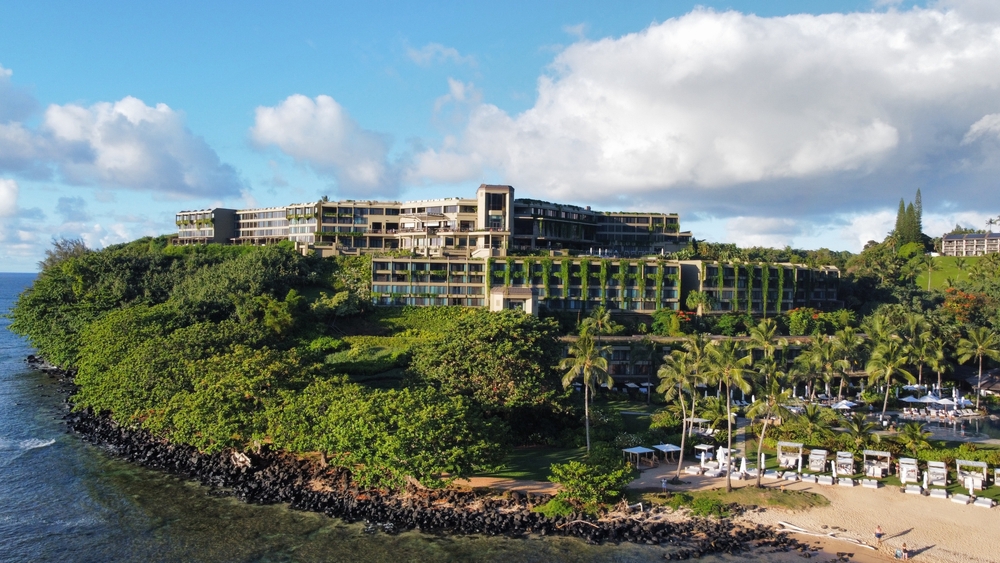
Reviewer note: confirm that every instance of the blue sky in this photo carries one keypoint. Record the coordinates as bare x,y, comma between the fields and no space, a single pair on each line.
759,128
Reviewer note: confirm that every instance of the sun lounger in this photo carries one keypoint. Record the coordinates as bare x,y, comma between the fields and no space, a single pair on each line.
772,474
810,478
960,499
913,490
713,473
790,476
825,480
939,493
984,502
693,470
845,482
871,483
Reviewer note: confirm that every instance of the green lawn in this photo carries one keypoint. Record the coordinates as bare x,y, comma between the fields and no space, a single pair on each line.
947,270
746,496
533,463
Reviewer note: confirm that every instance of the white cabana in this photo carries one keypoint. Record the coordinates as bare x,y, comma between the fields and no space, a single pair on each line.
667,449
724,456
844,405
640,455
908,470
704,452
844,464
817,461
937,473
694,422
877,463
789,455
972,474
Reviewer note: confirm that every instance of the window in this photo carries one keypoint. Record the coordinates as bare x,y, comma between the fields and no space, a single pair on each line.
468,208
451,209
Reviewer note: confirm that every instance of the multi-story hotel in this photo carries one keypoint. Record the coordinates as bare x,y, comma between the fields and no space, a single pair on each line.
497,251
488,225
976,244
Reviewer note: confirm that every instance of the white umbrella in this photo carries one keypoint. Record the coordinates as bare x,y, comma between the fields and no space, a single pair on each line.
947,402
743,466
910,399
844,405
927,399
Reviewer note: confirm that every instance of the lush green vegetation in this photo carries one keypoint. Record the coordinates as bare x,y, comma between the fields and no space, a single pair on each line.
260,347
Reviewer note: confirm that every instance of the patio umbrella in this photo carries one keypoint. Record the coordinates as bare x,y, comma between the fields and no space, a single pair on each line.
947,402
927,399
843,405
910,399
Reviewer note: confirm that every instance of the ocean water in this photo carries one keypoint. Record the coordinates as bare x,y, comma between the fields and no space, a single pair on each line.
67,501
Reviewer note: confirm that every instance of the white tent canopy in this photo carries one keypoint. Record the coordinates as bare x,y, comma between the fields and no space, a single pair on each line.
844,405
667,448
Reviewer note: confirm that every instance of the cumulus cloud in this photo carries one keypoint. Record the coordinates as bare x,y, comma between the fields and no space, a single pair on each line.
320,134
437,53
72,209
15,103
989,125
739,115
129,144
8,197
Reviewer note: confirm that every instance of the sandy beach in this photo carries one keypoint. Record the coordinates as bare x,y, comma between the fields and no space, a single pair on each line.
935,530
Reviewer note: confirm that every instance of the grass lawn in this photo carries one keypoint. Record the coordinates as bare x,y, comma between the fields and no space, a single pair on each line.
533,463
748,496
947,270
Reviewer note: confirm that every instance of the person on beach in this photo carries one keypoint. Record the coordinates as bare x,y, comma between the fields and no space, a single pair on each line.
906,552
878,535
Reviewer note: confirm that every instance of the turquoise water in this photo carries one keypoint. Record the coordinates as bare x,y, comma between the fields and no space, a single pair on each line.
64,500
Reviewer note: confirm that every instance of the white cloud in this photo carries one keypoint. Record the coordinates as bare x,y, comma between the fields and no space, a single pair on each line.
8,197
319,133
437,53
129,144
738,115
762,231
988,125
15,103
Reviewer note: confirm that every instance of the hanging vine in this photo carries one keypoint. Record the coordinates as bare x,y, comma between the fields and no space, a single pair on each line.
603,278
659,277
781,287
508,271
749,294
489,275
622,277
736,287
564,265
765,282
584,279
546,274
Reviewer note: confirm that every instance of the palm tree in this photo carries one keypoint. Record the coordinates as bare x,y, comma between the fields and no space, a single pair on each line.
886,365
937,360
981,342
931,267
913,437
599,322
678,375
918,335
587,361
699,301
878,327
771,405
961,263
849,346
860,430
813,422
727,363
824,356
763,337
696,346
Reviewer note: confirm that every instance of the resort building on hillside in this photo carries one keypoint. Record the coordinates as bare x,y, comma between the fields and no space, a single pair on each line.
976,244
491,224
761,288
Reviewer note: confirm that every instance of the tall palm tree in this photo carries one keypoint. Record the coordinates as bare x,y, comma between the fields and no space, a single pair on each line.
938,360
918,335
587,361
932,266
771,405
764,337
981,342
599,322
879,328
727,362
678,375
696,346
849,345
824,356
886,365
813,422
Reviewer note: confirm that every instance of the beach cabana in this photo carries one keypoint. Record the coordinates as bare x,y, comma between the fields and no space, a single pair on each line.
845,463
908,470
790,455
817,461
639,455
972,474
937,473
667,449
876,463
694,425
844,405
703,452
724,456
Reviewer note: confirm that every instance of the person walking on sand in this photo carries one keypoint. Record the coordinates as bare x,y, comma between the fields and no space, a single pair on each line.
906,552
878,535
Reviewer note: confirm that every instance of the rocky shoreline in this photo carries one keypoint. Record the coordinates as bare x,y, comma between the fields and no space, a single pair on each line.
308,485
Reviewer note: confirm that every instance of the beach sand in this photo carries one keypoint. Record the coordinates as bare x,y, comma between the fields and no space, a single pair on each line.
935,530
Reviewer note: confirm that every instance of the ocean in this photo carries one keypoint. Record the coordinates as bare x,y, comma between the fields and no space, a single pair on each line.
63,500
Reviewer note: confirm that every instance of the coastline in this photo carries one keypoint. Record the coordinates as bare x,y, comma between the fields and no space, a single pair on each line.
303,484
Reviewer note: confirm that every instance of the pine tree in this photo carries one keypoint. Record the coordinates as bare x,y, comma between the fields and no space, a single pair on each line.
900,219
912,228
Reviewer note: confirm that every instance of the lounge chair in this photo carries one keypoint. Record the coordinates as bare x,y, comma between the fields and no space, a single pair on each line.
939,493
984,502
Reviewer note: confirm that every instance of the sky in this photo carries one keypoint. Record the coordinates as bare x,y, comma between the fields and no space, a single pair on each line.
759,123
